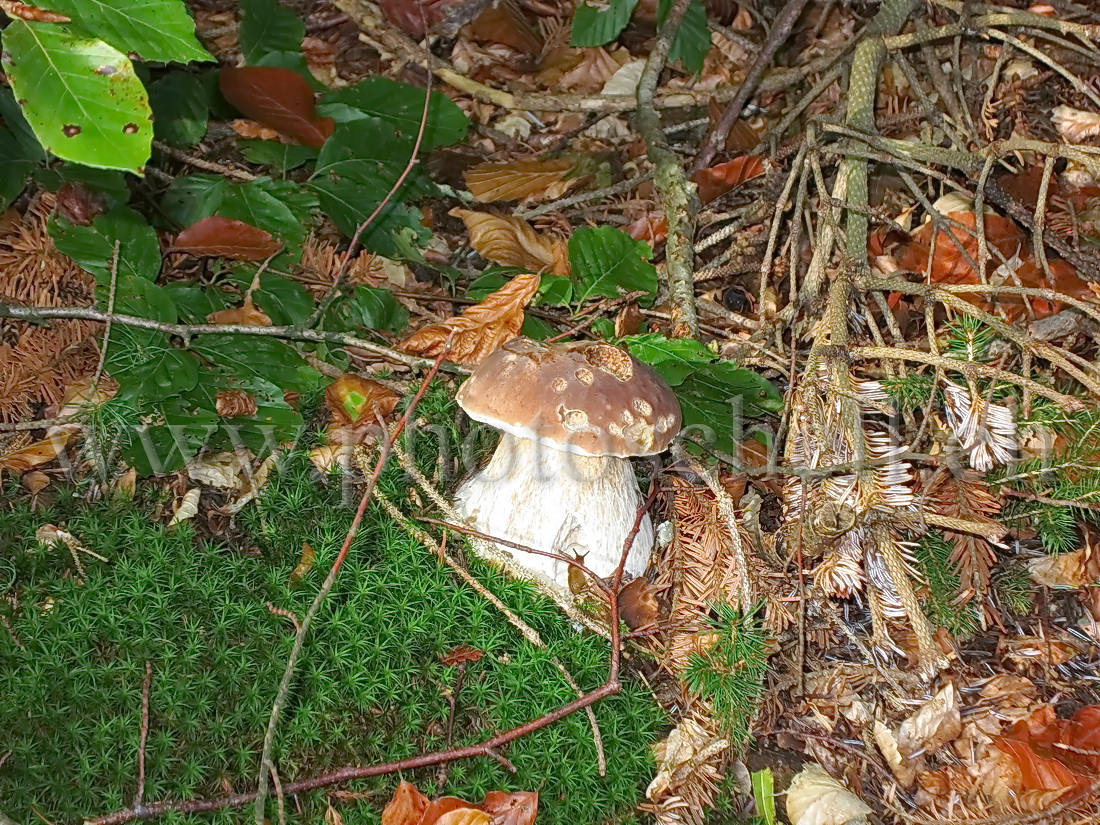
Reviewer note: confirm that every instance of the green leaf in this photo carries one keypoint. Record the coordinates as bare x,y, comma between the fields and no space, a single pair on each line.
607,262
282,157
763,793
157,30
28,147
92,247
109,182
15,171
392,233
693,39
595,26
170,372
181,108
376,309
80,96
714,395
367,152
195,303
402,106
285,301
268,26
252,356
191,198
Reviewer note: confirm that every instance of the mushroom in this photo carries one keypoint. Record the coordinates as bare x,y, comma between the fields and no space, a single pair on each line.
560,481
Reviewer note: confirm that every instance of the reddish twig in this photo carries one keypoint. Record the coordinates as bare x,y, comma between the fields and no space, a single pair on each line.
330,580
486,748
144,735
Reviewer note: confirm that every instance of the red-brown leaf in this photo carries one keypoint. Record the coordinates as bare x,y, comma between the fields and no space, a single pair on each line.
718,180
35,15
226,238
278,98
415,17
511,808
407,806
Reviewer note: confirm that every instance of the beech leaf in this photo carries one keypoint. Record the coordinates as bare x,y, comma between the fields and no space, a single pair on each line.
278,98
526,180
480,329
352,398
517,808
511,242
247,313
718,180
226,238
407,806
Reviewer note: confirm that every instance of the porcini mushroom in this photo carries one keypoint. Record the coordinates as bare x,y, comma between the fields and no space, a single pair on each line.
560,481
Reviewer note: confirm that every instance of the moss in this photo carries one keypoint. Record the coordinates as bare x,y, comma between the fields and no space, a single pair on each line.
370,687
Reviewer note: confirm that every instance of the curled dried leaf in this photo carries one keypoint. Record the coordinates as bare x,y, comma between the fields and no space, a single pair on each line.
247,314
511,242
480,329
520,180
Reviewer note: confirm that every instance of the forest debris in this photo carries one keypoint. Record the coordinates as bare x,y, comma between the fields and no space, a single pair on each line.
815,798
688,772
510,241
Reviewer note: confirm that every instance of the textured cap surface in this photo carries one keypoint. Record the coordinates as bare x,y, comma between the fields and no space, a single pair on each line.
587,398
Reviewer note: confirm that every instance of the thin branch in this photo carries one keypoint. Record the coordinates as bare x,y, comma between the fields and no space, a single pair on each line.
144,735
677,194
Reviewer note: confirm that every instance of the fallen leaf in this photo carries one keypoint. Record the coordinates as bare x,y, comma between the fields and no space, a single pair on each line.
815,798
51,534
416,18
35,481
520,180
305,564
247,314
460,654
509,241
251,130
352,399
718,180
1079,568
32,455
78,204
935,723
35,15
226,238
1075,125
651,228
481,329
504,22
407,806
188,507
440,807
278,98
224,470
511,808
463,816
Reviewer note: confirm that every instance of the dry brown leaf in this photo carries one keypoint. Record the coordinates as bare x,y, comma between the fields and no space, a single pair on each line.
934,724
25,458
1079,568
511,242
188,507
1075,125
407,806
252,130
526,180
464,816
480,329
815,798
235,404
519,808
247,314
35,481
688,773
352,399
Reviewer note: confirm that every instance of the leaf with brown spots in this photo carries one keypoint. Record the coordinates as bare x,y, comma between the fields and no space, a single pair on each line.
511,242
480,329
520,180
278,98
226,238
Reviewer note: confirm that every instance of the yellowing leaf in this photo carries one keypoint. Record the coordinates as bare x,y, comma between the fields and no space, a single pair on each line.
511,242
305,564
480,329
352,398
464,816
526,180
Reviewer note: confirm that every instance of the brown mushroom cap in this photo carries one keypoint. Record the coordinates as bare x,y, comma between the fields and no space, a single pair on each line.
586,398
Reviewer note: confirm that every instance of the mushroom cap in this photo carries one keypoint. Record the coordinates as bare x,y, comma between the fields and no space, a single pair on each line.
587,398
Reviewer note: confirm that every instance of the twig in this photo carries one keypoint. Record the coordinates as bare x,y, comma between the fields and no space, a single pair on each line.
36,314
678,195
205,165
778,34
144,735
330,580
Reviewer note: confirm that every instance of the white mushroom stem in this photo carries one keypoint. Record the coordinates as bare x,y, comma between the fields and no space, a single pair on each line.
577,505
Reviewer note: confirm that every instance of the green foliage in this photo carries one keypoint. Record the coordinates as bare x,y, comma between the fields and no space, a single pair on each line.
911,390
693,39
969,339
606,262
402,107
157,30
80,96
181,108
730,673
376,308
596,24
370,688
714,394
93,246
267,26
933,554
763,793
1013,589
